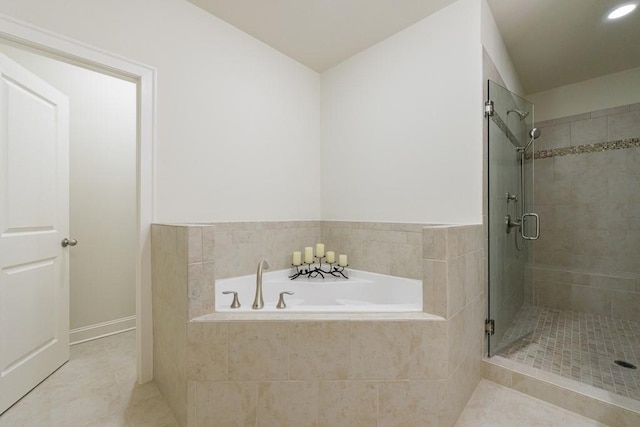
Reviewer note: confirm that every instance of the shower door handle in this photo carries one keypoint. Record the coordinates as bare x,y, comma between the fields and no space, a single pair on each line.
537,234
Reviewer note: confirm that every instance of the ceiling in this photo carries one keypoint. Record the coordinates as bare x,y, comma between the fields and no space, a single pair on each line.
321,33
556,42
551,42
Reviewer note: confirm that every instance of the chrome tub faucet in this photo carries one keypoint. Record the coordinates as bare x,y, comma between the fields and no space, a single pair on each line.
258,301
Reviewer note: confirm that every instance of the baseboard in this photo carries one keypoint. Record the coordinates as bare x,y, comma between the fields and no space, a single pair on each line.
100,330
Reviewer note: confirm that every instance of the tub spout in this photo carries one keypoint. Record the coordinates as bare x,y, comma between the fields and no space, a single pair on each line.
258,301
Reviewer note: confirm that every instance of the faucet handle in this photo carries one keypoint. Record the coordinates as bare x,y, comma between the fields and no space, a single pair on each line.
281,303
236,302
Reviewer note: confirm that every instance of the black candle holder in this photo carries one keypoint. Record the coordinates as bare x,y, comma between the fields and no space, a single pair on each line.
308,272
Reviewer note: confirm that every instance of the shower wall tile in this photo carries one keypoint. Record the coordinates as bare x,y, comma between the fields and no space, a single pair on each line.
544,169
615,283
624,305
545,123
561,276
587,254
590,300
589,131
553,294
555,136
594,299
623,126
610,111
574,118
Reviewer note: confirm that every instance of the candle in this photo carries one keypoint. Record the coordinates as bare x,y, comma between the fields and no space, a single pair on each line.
297,258
320,250
342,260
331,257
308,255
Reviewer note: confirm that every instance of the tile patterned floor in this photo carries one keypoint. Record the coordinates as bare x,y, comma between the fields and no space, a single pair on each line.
578,346
492,405
96,388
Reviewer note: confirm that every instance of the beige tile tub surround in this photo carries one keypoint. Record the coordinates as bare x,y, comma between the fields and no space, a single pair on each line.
326,369
379,247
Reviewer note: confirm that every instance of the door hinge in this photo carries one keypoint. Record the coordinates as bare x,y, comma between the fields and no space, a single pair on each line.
490,326
488,109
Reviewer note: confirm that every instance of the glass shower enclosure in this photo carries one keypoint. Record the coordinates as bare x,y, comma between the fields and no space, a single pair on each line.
512,225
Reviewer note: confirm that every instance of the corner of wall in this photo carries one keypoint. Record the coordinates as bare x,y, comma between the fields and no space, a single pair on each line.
497,50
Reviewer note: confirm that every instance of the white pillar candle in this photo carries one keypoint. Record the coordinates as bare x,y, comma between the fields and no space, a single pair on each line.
331,257
342,260
308,255
297,258
320,250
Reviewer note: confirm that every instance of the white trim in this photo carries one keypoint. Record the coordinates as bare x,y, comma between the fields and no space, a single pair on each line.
101,330
78,53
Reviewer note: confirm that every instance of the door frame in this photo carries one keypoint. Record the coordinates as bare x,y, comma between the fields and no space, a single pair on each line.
77,53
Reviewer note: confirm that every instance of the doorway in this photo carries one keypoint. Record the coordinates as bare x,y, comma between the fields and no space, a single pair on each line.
102,188
144,77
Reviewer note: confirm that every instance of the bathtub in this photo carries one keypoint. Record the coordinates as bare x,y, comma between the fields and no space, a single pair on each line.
362,292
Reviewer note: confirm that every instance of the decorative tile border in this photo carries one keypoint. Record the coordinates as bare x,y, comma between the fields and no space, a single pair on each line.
589,148
505,129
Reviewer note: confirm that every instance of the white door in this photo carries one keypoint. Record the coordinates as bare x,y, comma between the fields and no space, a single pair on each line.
34,219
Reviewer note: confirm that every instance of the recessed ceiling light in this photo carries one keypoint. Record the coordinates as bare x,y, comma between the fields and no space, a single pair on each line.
621,11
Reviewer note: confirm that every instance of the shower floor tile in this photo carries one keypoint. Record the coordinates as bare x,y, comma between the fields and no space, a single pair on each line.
579,346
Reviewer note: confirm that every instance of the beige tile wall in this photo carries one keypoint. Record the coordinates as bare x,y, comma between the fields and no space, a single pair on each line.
385,248
239,246
453,267
587,256
170,314
328,373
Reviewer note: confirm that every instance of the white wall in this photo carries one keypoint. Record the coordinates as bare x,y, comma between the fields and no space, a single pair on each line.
238,122
402,125
612,90
496,49
102,189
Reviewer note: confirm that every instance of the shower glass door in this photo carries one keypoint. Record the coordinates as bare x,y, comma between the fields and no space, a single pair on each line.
510,197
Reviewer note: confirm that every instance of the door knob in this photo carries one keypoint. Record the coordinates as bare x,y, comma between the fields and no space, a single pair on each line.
69,242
